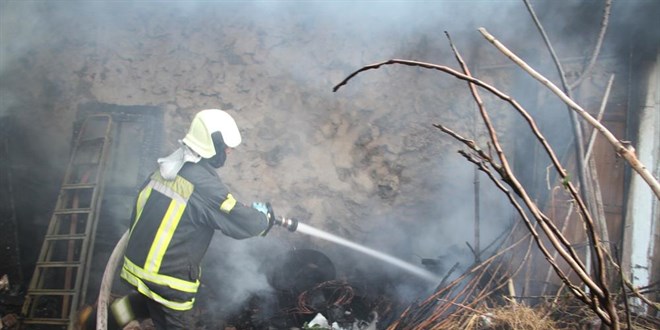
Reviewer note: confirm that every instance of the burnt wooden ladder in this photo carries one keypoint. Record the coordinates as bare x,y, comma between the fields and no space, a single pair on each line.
60,276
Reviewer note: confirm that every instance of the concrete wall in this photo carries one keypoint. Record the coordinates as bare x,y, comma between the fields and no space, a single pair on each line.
642,215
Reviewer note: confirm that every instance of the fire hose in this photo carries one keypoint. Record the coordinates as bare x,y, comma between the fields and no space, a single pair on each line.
115,259
106,282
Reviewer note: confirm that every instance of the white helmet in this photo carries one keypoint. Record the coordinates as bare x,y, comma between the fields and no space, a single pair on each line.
205,123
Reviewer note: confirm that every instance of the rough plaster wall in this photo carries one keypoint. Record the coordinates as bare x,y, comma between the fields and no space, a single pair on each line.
342,161
363,163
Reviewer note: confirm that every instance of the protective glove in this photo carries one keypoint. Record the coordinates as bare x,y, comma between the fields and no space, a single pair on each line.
266,209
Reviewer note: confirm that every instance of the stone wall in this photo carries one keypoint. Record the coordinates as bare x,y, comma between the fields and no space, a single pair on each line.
364,162
358,154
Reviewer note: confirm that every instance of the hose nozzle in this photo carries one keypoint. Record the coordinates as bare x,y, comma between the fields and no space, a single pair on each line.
290,224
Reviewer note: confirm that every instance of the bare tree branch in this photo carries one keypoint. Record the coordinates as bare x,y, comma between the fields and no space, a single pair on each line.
581,170
575,263
482,165
599,43
587,174
554,231
624,149
471,144
598,296
574,289
599,117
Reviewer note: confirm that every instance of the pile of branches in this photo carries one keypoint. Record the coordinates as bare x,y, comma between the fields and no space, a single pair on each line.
453,305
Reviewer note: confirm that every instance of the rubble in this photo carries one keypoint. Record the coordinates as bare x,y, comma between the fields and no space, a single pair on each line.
4,283
9,321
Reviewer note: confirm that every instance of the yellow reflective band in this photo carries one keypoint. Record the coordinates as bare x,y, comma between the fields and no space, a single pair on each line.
164,236
228,204
144,289
179,187
164,280
141,200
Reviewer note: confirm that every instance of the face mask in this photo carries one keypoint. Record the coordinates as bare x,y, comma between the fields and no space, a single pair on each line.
218,160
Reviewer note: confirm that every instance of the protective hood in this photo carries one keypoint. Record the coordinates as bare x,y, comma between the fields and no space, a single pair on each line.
172,164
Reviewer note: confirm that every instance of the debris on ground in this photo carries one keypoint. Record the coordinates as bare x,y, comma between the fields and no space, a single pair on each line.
9,321
4,282
511,316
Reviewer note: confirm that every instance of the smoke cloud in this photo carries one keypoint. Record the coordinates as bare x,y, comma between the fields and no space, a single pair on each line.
233,271
363,163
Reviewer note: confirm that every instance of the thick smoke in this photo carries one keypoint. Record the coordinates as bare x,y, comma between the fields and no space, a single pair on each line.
233,271
363,163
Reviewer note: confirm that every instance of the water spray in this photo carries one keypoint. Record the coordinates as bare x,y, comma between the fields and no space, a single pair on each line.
294,225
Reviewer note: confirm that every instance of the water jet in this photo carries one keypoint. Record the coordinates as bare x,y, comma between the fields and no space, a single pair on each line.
408,267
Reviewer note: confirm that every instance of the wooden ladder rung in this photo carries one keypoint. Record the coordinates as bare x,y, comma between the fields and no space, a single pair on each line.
51,292
57,264
72,211
70,186
43,320
67,237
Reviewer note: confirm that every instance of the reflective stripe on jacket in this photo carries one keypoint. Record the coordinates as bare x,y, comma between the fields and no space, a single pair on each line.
172,226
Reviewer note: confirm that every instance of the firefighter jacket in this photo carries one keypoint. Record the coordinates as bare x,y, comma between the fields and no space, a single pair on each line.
172,226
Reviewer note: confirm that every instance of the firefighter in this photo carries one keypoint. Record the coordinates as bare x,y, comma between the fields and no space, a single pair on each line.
174,218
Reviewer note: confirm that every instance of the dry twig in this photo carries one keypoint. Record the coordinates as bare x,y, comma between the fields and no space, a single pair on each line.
556,240
598,299
599,43
581,170
622,148
588,176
